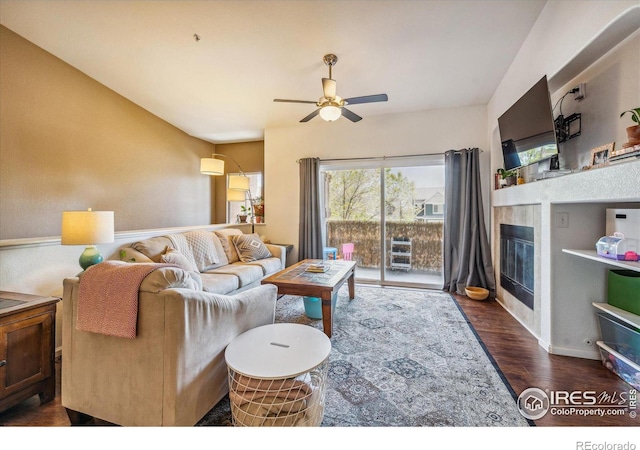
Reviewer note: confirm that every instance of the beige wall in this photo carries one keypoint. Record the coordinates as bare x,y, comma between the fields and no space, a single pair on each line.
613,86
421,132
563,29
67,142
250,156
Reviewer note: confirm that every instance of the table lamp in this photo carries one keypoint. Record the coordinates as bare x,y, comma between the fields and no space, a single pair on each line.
87,228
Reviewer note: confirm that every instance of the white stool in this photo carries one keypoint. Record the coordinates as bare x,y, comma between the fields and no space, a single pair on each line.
277,375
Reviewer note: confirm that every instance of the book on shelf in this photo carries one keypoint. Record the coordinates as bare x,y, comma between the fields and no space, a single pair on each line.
628,156
317,268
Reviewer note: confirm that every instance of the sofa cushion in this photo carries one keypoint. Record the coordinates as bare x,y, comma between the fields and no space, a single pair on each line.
170,277
225,239
222,255
269,265
153,248
173,256
246,273
250,247
219,283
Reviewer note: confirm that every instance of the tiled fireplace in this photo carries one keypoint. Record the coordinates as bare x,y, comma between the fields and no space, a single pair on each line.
517,262
516,249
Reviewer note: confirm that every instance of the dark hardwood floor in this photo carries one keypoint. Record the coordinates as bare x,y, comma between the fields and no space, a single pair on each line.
524,363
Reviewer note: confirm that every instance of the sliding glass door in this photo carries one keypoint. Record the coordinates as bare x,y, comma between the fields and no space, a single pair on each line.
392,211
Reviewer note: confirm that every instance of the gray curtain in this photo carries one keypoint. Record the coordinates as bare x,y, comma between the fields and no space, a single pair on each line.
466,252
310,234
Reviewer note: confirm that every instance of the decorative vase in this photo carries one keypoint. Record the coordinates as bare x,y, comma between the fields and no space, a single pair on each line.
510,181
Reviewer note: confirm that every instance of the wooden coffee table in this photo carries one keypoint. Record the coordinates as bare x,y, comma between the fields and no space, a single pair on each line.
295,280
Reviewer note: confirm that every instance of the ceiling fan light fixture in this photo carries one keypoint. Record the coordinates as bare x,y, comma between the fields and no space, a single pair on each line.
330,113
331,106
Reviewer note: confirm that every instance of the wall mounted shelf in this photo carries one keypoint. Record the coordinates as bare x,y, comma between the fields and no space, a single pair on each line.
626,316
593,256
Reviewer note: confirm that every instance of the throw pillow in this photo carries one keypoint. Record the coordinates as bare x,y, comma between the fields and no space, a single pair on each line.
153,248
250,247
227,244
202,248
173,256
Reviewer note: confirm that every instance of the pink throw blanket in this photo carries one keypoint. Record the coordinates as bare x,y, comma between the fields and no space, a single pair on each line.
108,297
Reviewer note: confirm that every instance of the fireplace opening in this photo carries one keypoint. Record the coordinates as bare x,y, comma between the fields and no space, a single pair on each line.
517,262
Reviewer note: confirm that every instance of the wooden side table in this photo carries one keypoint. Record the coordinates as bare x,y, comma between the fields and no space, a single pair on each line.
27,347
288,247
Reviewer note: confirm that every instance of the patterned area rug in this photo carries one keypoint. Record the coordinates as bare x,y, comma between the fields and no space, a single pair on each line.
402,358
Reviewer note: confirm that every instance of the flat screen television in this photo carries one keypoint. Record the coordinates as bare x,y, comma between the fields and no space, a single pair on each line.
527,130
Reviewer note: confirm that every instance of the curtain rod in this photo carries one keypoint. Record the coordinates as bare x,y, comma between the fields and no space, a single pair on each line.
383,158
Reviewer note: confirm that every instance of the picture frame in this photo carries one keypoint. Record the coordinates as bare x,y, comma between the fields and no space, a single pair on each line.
600,155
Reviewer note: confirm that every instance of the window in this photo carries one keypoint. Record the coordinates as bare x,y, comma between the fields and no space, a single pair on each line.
234,207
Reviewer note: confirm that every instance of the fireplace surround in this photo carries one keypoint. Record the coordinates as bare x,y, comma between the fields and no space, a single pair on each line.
517,262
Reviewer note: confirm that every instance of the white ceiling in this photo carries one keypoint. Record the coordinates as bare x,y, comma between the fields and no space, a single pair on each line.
422,54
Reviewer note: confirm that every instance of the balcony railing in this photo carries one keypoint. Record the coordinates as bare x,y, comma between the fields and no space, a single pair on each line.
426,241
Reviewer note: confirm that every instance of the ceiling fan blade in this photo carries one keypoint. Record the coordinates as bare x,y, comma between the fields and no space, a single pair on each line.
293,101
366,99
350,115
329,88
311,116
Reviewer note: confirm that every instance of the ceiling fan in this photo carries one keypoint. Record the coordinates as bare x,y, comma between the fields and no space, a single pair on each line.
331,106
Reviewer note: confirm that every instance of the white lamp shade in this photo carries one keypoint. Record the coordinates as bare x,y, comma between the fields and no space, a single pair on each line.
87,227
330,113
236,196
211,166
238,183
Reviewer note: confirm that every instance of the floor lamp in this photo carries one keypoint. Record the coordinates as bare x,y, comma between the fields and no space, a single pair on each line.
237,183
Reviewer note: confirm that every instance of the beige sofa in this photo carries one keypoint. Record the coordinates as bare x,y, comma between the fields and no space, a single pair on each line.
228,274
173,372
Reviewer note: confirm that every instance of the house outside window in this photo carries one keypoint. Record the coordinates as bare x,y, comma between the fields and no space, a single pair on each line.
429,204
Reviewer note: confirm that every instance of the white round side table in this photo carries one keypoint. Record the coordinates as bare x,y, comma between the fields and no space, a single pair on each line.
277,375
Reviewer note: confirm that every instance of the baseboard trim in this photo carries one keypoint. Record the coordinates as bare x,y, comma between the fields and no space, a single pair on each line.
526,327
585,353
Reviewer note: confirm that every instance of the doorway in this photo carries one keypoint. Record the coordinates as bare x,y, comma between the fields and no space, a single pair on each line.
392,210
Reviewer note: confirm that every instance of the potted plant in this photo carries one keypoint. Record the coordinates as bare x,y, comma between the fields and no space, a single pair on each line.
633,132
507,177
245,212
258,209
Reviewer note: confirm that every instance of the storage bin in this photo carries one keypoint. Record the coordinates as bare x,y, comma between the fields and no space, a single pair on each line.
313,306
618,364
623,290
286,385
620,336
